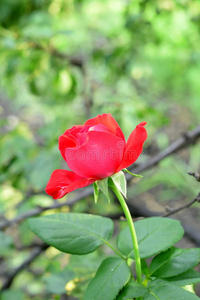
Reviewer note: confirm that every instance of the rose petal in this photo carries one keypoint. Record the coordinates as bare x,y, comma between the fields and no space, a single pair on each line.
98,158
99,127
134,146
108,121
68,139
82,136
62,182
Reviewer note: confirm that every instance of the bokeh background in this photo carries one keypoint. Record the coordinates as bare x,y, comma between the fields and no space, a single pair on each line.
64,61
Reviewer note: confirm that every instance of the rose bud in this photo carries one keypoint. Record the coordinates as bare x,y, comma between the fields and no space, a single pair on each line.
94,151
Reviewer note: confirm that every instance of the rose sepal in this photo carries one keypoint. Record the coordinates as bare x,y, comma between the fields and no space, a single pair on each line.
96,192
103,186
119,181
136,175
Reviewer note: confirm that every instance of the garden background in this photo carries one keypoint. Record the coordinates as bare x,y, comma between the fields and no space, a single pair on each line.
62,62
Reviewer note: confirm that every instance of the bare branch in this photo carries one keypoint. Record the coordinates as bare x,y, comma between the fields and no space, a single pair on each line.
186,140
195,175
34,254
75,61
172,211
39,209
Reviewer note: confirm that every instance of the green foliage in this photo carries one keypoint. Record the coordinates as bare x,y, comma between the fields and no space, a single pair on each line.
132,290
174,262
164,291
81,234
73,233
111,276
154,235
186,278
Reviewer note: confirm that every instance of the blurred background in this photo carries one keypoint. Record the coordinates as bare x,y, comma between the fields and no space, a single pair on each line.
62,62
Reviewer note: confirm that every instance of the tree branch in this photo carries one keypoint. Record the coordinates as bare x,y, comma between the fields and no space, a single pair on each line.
172,211
36,211
195,175
75,61
186,140
35,253
151,208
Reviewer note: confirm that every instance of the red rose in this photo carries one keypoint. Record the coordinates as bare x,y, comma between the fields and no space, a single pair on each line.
94,151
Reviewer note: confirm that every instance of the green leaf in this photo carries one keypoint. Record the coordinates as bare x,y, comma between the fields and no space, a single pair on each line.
96,192
119,181
72,232
154,234
136,175
145,268
132,290
174,261
111,276
103,185
165,291
189,277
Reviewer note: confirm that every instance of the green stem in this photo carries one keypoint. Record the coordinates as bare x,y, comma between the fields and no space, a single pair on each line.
115,250
133,233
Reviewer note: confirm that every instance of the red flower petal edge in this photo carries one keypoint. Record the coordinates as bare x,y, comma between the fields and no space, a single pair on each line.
134,146
108,121
63,182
